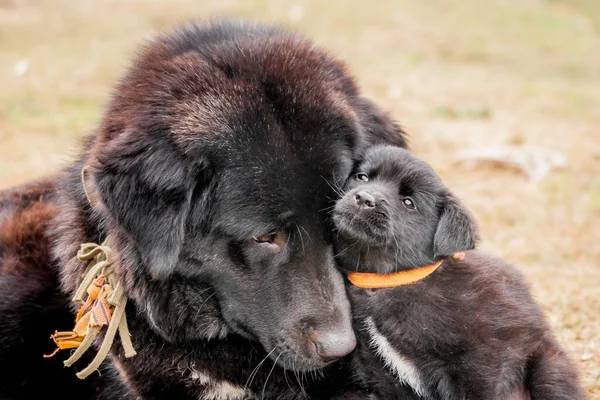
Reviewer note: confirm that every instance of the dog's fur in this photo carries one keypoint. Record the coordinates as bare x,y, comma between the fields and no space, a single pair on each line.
210,176
470,330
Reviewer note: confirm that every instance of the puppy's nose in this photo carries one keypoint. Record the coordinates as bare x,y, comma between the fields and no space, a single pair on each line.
365,200
331,346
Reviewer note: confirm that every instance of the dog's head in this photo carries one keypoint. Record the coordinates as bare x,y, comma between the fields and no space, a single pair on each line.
215,167
396,213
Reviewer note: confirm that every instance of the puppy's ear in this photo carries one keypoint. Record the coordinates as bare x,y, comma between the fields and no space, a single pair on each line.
379,126
146,186
456,230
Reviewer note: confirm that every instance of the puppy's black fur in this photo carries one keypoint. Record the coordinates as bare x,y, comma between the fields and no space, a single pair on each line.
210,176
470,330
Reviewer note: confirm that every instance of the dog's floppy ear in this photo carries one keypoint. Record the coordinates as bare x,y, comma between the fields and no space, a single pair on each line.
146,186
379,126
456,229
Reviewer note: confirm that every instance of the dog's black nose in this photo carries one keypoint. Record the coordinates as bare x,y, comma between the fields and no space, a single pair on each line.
365,200
331,346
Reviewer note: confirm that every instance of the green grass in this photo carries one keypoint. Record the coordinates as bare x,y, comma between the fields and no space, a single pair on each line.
455,74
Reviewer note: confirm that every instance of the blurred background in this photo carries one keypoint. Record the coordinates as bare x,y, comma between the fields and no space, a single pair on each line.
502,97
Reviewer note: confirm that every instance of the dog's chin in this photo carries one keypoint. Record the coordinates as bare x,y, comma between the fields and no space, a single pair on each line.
286,352
291,361
291,356
353,227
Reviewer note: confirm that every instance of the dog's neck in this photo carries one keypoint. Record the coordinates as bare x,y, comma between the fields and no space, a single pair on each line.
367,280
364,258
403,277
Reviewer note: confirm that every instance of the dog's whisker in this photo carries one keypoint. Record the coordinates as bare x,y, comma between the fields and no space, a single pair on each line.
287,241
262,396
255,370
301,240
348,247
287,381
297,375
328,208
203,303
305,231
358,257
335,182
334,187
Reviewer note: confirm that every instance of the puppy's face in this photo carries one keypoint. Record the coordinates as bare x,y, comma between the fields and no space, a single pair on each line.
397,214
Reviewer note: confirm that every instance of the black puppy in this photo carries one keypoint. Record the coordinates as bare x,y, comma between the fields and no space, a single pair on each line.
433,326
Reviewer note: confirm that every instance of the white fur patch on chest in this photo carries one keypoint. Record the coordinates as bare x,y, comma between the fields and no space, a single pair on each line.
402,367
219,389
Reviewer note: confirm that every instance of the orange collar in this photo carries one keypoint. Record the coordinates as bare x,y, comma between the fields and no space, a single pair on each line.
400,278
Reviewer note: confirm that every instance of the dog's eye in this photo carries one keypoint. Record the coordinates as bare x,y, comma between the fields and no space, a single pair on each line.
273,241
361,176
266,238
408,203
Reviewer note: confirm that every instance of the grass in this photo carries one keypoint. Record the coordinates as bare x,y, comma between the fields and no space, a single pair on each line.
456,74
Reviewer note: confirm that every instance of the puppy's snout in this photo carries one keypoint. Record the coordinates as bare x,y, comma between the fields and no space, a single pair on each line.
333,344
365,200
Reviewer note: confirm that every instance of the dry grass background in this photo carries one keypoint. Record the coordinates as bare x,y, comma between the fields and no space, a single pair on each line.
456,74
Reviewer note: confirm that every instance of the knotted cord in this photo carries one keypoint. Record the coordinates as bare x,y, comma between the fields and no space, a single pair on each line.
104,306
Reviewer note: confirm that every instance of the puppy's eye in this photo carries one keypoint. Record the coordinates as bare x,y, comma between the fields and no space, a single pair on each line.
361,176
408,203
266,238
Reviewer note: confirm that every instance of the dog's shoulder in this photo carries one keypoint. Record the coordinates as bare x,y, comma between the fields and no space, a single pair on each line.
26,214
32,305
499,294
29,193
484,270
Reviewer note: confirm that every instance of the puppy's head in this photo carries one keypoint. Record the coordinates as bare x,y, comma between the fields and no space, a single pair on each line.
397,214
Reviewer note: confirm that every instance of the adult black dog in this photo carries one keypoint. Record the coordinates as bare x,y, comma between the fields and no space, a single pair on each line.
432,326
209,177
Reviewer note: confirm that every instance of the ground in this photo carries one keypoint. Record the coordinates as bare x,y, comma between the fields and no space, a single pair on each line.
456,75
